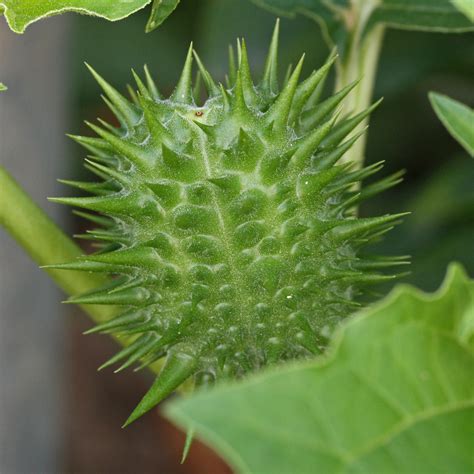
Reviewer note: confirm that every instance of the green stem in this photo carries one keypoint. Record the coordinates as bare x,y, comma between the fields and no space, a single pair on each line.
360,62
47,244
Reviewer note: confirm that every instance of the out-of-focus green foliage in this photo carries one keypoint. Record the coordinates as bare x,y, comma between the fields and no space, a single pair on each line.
424,15
21,13
394,395
160,10
466,6
337,16
3,87
457,118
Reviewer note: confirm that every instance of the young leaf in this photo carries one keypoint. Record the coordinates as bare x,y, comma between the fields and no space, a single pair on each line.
466,7
457,118
394,394
160,11
21,13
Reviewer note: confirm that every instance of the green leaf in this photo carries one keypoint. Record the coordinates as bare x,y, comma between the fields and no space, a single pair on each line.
3,87
160,10
393,395
21,13
427,15
466,7
457,118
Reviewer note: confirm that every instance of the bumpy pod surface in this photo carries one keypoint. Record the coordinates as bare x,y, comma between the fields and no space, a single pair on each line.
228,226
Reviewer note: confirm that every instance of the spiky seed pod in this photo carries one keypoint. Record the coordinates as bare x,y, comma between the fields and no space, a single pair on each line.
228,225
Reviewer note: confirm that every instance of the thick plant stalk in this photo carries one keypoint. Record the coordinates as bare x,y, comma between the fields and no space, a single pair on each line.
46,244
360,63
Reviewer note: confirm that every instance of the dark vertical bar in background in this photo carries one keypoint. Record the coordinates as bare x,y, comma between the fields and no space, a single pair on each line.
33,121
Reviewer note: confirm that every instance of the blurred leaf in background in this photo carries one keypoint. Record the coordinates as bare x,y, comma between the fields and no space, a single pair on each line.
457,118
393,394
3,87
160,10
465,6
424,15
334,16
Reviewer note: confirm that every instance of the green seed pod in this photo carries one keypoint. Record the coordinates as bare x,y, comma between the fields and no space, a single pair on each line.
228,225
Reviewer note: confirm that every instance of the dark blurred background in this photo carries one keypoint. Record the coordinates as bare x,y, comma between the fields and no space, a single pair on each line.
56,413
